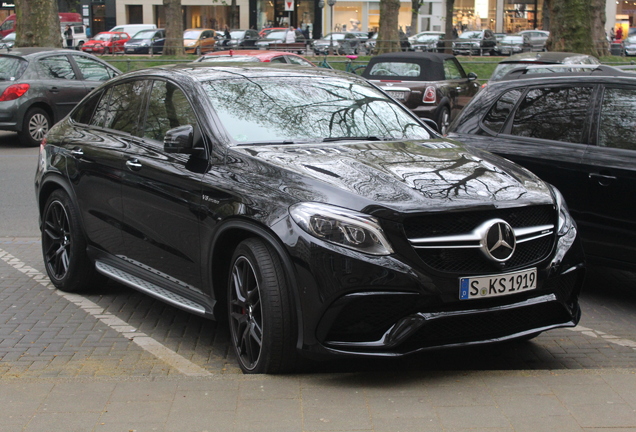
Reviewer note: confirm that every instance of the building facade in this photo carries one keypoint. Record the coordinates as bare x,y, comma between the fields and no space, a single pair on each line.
501,16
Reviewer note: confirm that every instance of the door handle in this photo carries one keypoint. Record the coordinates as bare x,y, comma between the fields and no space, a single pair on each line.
602,179
133,164
54,90
77,152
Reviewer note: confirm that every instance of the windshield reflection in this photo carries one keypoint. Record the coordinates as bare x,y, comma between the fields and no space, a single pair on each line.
296,109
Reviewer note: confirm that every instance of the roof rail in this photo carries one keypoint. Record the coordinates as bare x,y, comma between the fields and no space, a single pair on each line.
579,69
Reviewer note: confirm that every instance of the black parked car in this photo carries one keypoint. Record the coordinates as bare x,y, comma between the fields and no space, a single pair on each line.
575,130
319,215
238,39
39,86
476,43
143,40
432,85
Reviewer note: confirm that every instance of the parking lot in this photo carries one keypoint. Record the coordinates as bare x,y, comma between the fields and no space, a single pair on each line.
118,360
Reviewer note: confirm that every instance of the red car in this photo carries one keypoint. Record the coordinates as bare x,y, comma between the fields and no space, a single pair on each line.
255,56
106,42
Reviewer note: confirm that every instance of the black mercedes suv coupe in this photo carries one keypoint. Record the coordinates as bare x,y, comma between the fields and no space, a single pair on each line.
307,207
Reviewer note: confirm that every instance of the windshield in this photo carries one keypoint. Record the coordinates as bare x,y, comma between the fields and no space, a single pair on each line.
191,34
9,37
276,34
301,109
335,36
512,39
237,34
12,68
631,39
227,58
428,37
103,37
144,34
470,35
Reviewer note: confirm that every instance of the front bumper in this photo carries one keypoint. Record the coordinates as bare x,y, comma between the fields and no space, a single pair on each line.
357,305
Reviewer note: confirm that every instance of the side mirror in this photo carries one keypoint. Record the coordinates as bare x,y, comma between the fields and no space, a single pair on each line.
472,76
179,140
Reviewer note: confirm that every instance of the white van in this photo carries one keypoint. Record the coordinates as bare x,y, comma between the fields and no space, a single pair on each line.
79,34
132,29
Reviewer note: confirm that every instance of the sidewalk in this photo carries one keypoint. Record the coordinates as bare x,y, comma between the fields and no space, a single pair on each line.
590,400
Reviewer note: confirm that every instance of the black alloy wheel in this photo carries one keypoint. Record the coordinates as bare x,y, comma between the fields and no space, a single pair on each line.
35,125
64,246
259,310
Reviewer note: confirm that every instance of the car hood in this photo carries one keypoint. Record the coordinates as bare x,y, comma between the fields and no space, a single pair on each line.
402,176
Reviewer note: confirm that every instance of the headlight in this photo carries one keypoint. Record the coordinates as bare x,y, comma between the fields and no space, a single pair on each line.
565,219
145,44
351,229
191,44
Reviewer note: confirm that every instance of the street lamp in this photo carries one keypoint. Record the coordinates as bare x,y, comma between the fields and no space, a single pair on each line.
321,5
331,4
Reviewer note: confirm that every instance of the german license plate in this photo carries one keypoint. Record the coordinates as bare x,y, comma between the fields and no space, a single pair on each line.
400,95
477,287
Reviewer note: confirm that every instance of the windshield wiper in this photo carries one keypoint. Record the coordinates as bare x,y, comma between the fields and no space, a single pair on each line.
263,143
366,138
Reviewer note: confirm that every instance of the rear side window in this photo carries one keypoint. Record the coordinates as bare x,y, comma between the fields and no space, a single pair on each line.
496,117
618,119
84,112
553,113
451,69
57,67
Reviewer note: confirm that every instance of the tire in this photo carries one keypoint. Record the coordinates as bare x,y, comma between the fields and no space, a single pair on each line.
106,50
443,120
64,246
198,51
262,329
35,125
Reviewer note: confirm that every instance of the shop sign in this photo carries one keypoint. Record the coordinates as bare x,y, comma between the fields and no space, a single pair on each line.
8,5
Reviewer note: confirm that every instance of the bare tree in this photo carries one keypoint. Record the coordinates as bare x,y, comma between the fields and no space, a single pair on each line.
388,36
37,24
173,45
577,26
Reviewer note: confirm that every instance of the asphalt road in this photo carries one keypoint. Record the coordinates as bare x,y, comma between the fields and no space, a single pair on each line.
605,339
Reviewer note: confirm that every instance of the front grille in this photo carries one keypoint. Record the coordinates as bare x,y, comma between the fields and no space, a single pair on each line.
454,223
486,326
472,260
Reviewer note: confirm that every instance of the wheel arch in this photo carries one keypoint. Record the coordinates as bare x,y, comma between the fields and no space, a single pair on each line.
49,185
226,239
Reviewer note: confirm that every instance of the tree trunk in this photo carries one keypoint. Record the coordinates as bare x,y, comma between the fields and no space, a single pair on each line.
388,36
448,28
173,45
578,26
415,13
234,15
37,24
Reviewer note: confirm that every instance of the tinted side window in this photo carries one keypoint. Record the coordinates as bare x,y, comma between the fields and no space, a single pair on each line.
57,67
553,113
618,119
84,112
500,111
126,101
168,108
93,70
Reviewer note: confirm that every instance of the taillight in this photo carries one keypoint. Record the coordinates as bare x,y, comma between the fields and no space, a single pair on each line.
13,92
429,95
